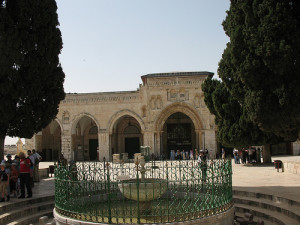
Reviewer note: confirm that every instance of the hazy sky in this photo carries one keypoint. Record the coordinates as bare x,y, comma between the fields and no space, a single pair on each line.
110,44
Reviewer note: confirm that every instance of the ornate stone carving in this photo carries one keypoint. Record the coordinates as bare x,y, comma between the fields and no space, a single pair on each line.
197,100
82,99
178,95
153,102
66,117
169,82
156,102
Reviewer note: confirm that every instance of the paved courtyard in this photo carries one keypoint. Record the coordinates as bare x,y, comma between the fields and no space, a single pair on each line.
266,179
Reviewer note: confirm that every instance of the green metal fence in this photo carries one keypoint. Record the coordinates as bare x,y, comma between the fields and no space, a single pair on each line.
171,191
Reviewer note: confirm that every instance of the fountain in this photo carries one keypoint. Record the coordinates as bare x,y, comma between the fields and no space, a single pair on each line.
167,192
144,189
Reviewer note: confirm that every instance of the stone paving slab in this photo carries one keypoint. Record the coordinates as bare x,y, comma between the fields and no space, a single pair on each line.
265,179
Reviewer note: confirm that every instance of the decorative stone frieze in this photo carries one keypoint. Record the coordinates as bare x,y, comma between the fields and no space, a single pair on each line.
79,99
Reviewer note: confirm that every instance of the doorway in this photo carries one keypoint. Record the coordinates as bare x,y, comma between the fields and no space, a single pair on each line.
132,145
93,145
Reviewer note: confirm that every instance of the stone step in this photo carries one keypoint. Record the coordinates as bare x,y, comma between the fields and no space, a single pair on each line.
255,218
21,212
16,203
265,214
280,207
270,197
32,219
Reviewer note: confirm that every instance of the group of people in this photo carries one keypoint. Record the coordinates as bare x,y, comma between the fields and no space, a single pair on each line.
186,155
250,155
18,173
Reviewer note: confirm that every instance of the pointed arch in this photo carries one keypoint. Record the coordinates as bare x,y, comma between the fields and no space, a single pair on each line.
126,112
178,107
79,117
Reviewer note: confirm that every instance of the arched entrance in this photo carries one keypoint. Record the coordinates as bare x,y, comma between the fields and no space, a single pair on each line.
126,136
85,139
173,120
50,146
178,134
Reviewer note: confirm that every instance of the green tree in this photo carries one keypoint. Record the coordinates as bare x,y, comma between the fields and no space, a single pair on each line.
235,129
31,77
260,65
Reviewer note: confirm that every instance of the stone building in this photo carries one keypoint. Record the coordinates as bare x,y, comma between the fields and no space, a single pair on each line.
167,113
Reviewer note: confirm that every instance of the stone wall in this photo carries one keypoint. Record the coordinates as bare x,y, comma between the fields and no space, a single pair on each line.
225,218
158,97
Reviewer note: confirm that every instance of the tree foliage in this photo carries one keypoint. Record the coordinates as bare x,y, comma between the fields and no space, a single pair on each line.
260,69
235,129
31,77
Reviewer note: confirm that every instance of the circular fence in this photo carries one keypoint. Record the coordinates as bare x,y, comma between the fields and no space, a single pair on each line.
169,191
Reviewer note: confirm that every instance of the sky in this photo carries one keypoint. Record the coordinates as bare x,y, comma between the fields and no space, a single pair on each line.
109,44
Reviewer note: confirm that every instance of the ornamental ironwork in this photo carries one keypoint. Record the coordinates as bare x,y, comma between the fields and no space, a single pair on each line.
153,192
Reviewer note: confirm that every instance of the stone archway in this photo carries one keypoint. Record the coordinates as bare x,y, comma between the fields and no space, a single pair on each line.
84,135
178,134
49,142
166,124
112,121
126,136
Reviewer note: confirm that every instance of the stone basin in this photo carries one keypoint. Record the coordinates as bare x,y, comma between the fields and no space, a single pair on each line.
149,189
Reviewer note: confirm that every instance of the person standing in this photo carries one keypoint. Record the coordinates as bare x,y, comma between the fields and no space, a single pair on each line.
25,176
223,153
17,162
14,175
178,155
62,161
258,155
196,154
4,183
206,153
235,155
183,154
31,157
37,158
192,154
202,160
9,161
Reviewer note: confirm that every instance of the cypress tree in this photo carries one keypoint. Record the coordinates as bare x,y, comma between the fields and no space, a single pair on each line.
31,77
260,65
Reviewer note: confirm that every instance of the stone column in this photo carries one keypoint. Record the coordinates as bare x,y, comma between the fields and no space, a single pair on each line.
155,143
210,142
197,139
149,140
161,144
200,140
66,142
66,146
103,141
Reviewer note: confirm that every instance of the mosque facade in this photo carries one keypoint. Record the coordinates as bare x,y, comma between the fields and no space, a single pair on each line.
167,112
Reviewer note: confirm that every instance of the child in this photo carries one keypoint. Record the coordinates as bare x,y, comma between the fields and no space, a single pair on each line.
14,174
4,181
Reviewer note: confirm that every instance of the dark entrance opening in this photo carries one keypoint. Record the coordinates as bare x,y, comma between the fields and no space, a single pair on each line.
132,145
93,145
179,137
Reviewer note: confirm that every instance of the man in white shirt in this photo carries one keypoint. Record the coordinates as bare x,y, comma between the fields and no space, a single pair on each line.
37,159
